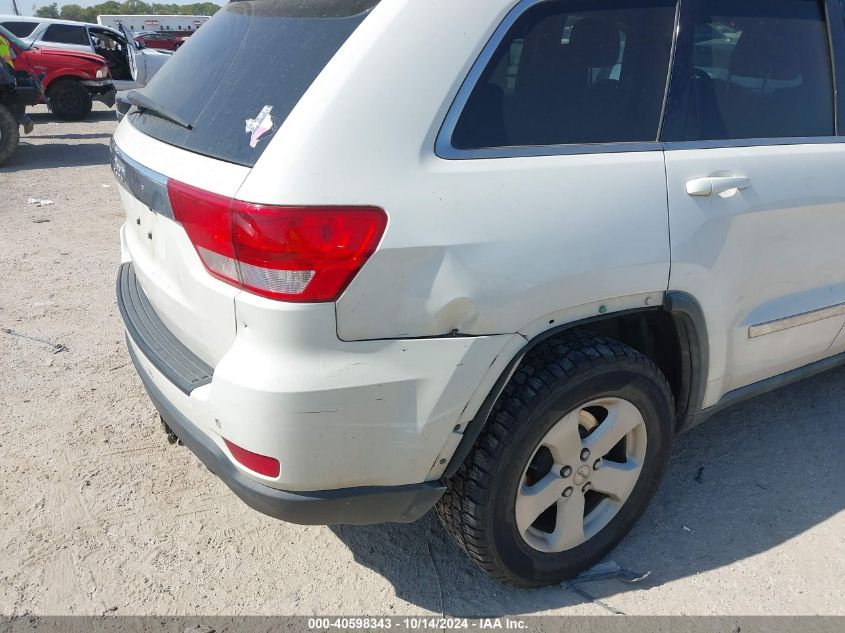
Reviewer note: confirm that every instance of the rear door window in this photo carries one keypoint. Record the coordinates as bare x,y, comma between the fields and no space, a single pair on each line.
756,69
242,73
66,34
21,29
573,72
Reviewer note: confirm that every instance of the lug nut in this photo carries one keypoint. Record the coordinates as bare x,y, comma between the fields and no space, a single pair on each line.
565,471
568,492
587,486
597,465
585,454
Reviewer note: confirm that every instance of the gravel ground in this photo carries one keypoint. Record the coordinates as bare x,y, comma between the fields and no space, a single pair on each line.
99,513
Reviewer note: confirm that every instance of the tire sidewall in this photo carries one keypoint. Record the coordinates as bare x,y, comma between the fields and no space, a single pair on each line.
635,385
9,134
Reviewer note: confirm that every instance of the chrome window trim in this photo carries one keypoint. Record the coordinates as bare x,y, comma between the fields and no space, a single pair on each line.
529,151
752,142
443,144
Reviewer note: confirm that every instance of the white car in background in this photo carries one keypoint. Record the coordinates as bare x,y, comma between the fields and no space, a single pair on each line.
131,64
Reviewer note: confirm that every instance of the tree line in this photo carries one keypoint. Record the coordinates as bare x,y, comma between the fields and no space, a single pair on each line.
129,7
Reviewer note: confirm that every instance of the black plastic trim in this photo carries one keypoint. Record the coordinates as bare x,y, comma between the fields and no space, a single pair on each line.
695,355
771,384
476,425
178,364
836,31
103,94
692,333
349,506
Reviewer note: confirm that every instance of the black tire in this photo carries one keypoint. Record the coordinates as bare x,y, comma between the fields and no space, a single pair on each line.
69,100
17,109
478,508
9,134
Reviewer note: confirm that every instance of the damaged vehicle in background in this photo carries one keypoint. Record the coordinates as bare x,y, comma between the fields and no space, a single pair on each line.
71,80
18,89
130,62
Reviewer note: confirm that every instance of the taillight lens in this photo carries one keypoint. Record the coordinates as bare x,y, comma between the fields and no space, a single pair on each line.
206,218
306,254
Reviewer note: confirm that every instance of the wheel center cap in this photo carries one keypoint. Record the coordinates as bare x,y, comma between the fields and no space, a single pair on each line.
582,475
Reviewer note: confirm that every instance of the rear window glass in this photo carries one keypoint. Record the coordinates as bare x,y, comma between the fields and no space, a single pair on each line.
237,78
21,29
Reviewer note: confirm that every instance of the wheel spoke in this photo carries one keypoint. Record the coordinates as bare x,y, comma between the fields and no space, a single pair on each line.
532,501
616,480
569,527
564,441
622,418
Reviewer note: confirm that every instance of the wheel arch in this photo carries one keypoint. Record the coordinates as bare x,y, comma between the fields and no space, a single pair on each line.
50,80
678,323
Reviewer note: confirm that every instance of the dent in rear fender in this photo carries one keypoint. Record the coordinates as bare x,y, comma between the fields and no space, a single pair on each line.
486,249
473,247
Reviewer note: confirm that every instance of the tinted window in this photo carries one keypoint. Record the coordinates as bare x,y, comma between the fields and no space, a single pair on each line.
572,71
21,29
65,34
757,69
251,57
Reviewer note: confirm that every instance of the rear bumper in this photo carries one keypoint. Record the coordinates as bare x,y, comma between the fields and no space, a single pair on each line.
352,506
158,355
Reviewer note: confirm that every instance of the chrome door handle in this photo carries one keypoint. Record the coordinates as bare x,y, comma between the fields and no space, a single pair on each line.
716,185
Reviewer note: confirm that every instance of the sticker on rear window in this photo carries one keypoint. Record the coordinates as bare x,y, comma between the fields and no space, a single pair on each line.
258,127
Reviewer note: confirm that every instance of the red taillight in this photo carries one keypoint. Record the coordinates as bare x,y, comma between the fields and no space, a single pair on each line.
206,218
261,464
289,253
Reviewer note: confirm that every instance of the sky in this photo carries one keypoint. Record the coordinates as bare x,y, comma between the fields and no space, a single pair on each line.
26,6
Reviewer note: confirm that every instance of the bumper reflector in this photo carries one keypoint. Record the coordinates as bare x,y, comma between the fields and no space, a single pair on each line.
261,464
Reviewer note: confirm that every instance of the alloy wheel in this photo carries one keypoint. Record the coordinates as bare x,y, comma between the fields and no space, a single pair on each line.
580,475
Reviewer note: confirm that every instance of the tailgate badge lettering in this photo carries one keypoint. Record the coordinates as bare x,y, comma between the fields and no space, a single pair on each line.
118,169
258,127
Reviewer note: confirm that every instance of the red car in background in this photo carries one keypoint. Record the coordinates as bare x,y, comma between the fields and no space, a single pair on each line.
71,80
159,39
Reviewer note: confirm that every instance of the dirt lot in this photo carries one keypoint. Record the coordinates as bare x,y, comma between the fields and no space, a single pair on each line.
98,511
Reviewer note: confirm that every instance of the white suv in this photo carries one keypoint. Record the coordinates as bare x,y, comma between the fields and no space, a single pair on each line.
484,256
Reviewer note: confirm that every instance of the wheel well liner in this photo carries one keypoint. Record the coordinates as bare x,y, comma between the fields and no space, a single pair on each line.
673,335
58,78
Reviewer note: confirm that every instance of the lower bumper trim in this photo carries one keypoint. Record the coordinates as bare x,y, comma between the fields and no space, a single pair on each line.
347,506
158,344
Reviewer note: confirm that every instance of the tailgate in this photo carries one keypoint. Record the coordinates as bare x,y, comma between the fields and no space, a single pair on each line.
197,308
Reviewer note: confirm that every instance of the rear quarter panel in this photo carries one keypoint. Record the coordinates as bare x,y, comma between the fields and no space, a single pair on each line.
472,247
